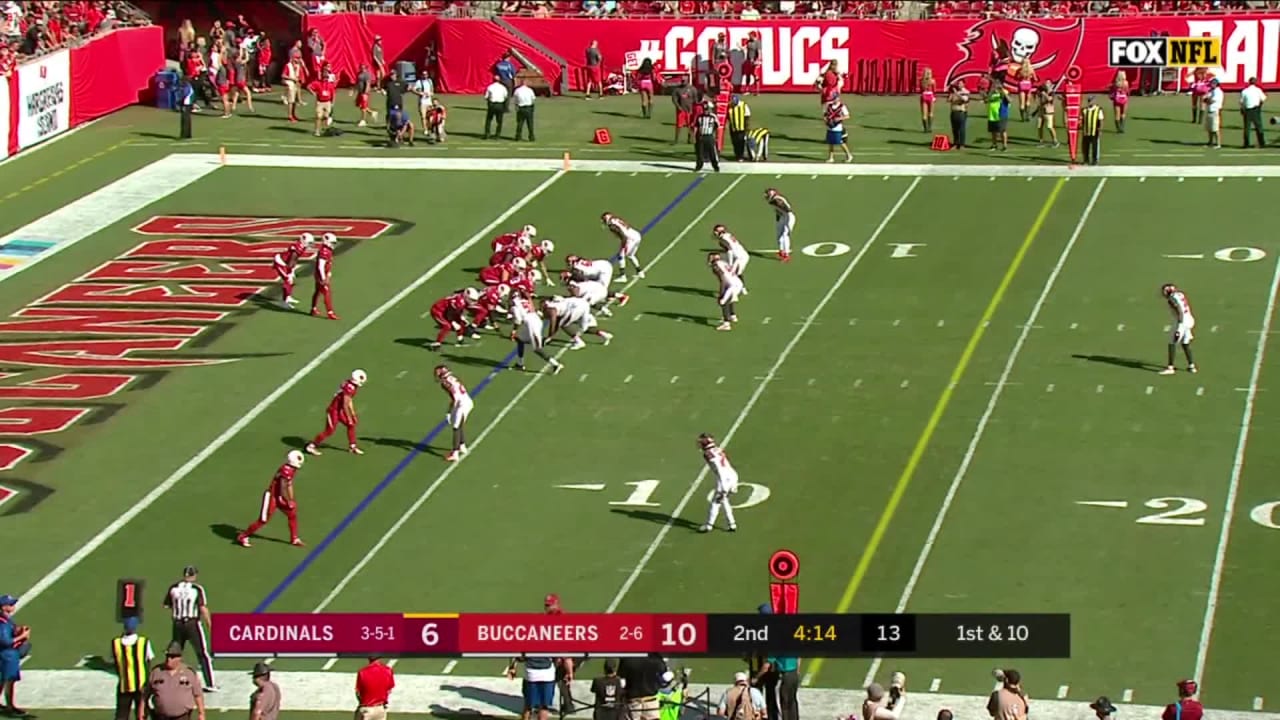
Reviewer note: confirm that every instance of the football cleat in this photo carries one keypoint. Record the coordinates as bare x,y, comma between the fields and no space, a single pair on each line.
243,541
355,450
529,231
329,239
623,299
359,377
312,449
1168,371
297,542
471,294
548,247
453,456
307,239
605,337
724,326
295,458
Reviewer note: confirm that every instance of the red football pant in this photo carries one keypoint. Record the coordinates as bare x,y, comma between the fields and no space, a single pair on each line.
269,507
286,280
322,291
447,326
331,422
482,316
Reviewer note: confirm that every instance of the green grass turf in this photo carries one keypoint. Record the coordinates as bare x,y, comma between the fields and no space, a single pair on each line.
829,437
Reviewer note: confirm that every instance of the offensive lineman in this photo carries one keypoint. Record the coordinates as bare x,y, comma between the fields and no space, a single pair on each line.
628,241
460,405
785,222
596,271
595,293
528,334
1184,323
574,316
726,483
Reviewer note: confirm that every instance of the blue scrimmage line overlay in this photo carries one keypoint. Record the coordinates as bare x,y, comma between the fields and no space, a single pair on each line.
422,445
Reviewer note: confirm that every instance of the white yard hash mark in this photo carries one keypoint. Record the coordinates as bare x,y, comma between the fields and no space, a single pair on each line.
649,552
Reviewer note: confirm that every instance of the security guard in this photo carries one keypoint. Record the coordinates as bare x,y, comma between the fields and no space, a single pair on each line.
758,144
705,127
739,124
764,677
173,689
186,105
1091,130
189,604
132,654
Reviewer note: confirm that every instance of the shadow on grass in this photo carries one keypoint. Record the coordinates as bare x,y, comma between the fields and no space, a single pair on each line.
1129,363
682,317
656,518
683,290
405,445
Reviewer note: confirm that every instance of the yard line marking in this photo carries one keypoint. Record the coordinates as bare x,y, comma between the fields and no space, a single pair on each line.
1233,487
582,377
857,383
935,685
1104,503
400,375
449,666
1200,390
905,383
627,379
1150,389
675,379
853,321
496,422
941,323
896,323
637,317
1062,691
979,430
1120,327
720,380
755,396
329,663
1213,329
1257,703
1099,389
1074,326
765,321
1049,387
1127,695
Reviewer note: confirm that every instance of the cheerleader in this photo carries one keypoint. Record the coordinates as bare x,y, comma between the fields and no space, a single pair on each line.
1120,98
927,89
644,82
1026,86
1046,104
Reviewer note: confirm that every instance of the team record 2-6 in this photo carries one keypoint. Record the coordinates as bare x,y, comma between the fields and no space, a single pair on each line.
475,635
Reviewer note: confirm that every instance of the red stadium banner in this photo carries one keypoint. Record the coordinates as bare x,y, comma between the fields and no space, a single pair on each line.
8,123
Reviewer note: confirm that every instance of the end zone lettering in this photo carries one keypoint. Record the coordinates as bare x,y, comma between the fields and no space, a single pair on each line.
1162,52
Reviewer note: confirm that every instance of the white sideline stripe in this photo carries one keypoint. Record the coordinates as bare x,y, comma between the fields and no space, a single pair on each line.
498,697
37,148
971,451
105,207
125,518
349,162
497,420
1233,487
755,396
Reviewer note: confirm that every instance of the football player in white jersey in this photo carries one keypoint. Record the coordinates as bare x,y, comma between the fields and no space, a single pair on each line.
597,271
628,244
734,253
595,293
726,483
784,221
460,406
528,334
574,316
731,289
1184,323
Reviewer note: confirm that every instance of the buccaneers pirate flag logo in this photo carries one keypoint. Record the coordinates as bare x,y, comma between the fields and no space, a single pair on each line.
1051,46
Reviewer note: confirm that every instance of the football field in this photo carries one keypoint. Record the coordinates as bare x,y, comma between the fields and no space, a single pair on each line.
947,402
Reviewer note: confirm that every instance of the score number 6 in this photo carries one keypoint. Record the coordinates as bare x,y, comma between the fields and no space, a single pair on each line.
431,634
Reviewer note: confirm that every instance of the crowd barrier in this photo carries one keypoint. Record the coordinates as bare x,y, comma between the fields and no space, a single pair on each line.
880,56
53,93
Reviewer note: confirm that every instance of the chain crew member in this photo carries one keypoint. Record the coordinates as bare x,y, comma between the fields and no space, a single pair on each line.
739,125
189,604
173,689
264,704
133,656
705,127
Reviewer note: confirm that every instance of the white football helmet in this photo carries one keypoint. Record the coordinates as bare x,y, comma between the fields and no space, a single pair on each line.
530,231
519,264
295,458
471,294
547,246
358,377
307,239
504,290
524,243
329,239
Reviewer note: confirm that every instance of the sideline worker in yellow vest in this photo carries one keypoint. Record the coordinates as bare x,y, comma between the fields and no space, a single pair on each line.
133,656
739,123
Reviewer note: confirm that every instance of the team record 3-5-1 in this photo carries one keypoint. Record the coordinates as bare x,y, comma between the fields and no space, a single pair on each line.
504,635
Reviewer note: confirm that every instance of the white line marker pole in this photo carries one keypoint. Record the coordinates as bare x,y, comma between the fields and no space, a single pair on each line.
257,410
1233,487
1062,691
935,685
978,432
1127,695
329,663
755,396
497,420
449,666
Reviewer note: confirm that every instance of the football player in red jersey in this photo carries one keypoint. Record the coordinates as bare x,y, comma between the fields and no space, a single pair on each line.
460,405
523,284
499,274
323,275
450,314
507,251
342,410
537,258
286,264
487,303
278,496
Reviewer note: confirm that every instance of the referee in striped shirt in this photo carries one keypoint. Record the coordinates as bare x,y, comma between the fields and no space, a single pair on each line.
704,131
1091,130
189,604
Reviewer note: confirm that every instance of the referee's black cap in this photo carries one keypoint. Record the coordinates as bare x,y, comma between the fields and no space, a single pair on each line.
190,571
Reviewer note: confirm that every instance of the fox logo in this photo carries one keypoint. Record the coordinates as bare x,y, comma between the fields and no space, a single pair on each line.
1004,44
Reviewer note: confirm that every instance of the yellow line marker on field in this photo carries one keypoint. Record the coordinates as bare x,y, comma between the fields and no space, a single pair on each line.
58,173
939,409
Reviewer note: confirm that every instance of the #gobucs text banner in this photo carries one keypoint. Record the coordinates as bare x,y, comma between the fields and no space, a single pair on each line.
884,56
44,98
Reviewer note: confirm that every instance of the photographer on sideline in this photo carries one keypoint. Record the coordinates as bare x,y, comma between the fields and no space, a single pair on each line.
1010,702
882,706
399,128
741,702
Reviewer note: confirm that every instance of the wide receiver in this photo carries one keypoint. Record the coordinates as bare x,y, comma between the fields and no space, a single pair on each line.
726,483
323,275
784,221
731,289
628,244
278,496
460,405
1184,323
342,410
286,264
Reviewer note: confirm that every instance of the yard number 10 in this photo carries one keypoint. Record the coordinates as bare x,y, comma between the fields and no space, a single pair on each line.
1186,512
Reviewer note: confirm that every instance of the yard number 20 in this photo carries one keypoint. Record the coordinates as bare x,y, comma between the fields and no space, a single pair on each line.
1183,511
